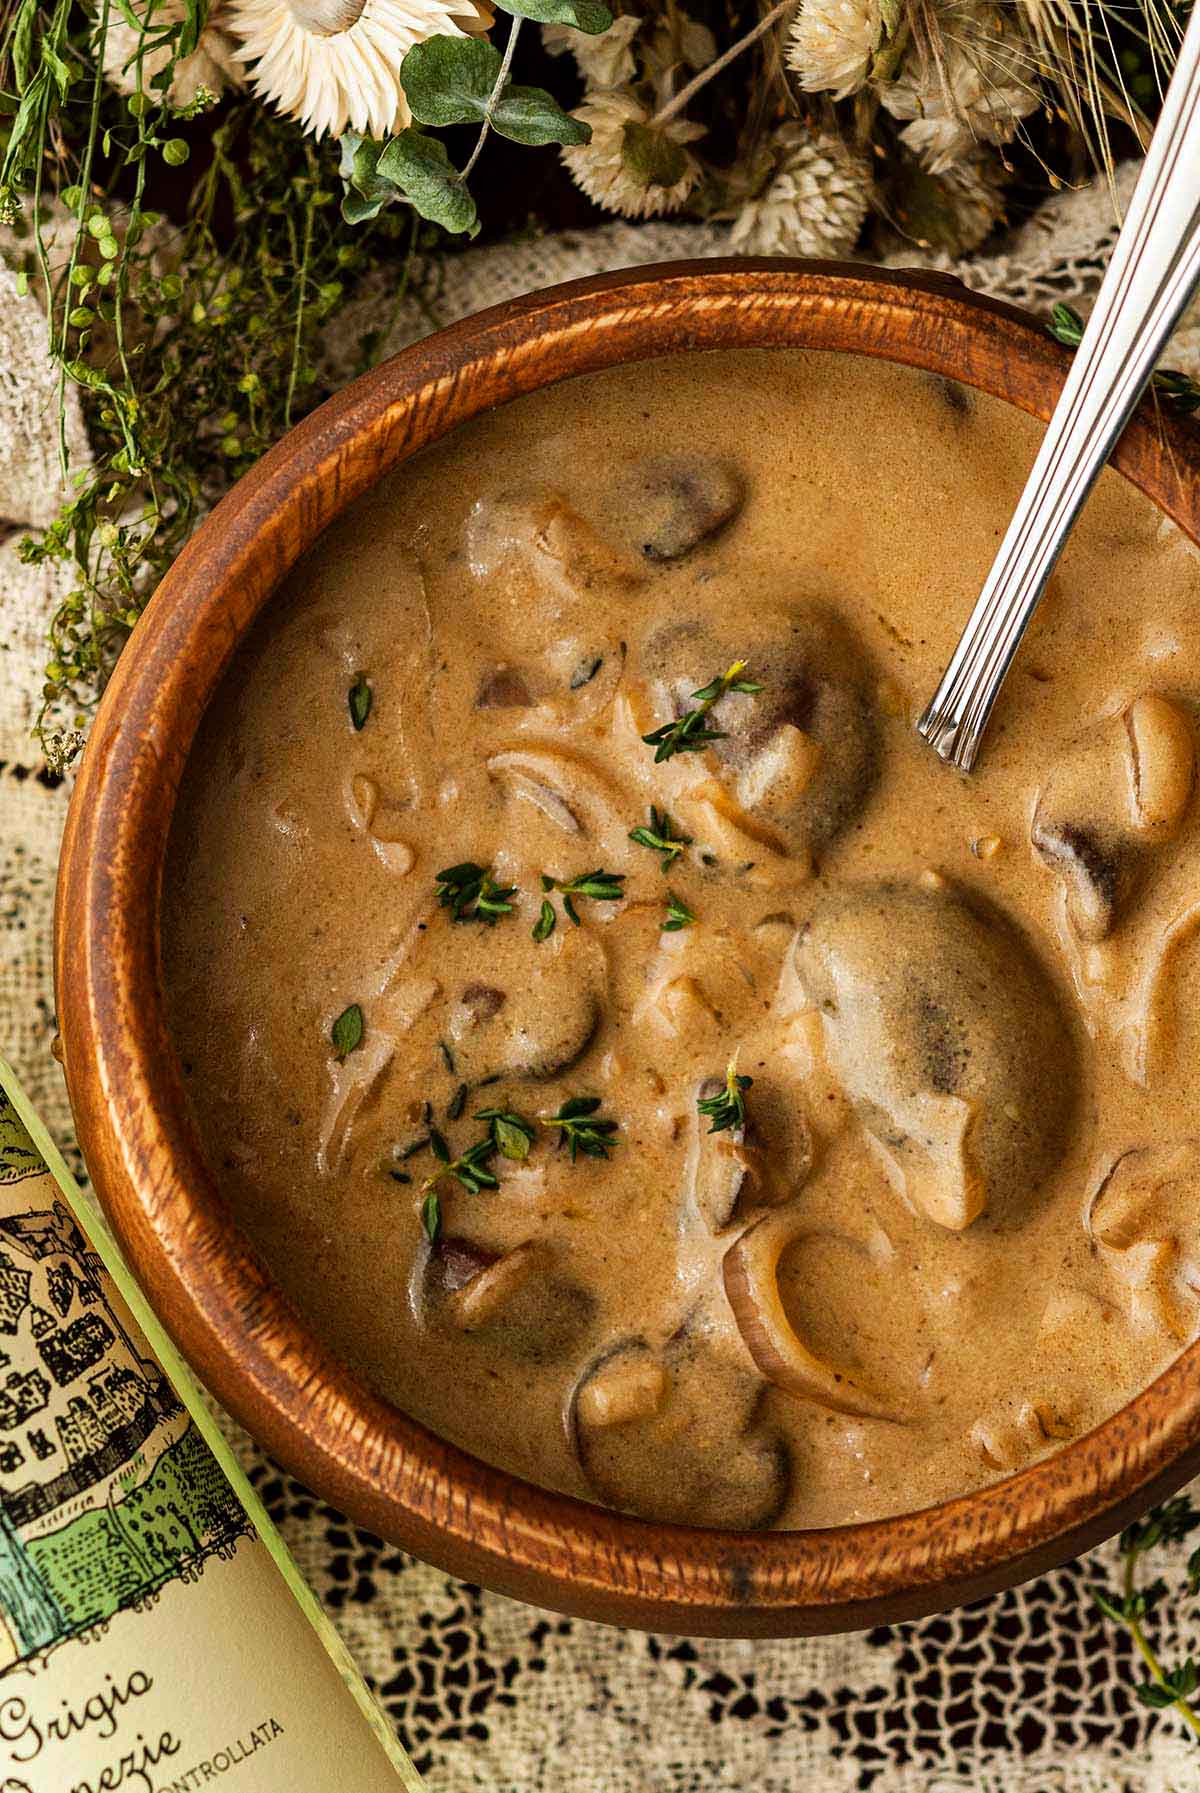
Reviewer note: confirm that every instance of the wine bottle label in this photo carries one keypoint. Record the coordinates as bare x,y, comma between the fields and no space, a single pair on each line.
154,1635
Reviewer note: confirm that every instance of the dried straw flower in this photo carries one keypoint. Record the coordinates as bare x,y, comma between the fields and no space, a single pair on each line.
814,205
971,83
954,211
605,60
832,44
211,67
335,64
633,165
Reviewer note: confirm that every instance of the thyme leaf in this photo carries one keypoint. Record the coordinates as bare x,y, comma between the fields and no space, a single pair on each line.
688,734
347,1031
360,698
470,1169
1166,1688
471,893
512,1135
431,1216
581,1129
661,837
678,914
546,922
600,886
728,1107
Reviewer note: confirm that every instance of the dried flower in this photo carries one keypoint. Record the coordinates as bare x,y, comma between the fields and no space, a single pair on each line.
211,67
832,44
633,165
335,64
971,83
605,60
815,203
953,211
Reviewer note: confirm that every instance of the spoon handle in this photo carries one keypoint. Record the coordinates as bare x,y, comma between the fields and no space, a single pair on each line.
1151,277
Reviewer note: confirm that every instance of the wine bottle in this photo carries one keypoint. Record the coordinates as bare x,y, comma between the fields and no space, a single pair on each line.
155,1635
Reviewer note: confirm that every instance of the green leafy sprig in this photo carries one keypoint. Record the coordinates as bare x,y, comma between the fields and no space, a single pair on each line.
582,1129
661,837
471,893
600,886
1180,391
470,1168
689,733
678,914
511,1134
728,1108
1166,1688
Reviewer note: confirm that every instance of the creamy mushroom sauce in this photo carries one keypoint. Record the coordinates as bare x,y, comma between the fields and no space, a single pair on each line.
960,1223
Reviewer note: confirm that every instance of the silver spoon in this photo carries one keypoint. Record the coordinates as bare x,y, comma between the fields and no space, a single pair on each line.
1152,275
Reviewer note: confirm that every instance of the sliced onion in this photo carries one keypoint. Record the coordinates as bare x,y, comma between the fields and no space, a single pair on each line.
751,1275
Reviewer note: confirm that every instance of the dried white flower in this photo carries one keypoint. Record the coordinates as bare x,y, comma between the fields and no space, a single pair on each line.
952,212
815,203
212,65
335,64
605,60
632,166
974,87
832,44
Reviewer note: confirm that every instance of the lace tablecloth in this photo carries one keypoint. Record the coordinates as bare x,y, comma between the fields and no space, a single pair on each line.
1026,1693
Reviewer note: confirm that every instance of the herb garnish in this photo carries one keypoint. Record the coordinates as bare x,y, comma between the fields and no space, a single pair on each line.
471,894
601,886
347,1031
512,1135
661,837
688,734
728,1108
457,1103
678,914
471,1168
359,698
431,1216
447,1057
583,1134
1167,1687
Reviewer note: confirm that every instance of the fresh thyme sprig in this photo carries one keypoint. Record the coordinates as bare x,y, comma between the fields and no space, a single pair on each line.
688,733
581,1130
728,1107
511,1134
678,914
661,837
601,886
1166,1688
471,893
470,1169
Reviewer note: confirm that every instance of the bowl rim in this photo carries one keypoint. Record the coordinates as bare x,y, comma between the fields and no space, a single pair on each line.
216,1298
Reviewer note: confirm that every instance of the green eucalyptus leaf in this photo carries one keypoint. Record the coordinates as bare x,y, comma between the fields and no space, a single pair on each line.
449,80
651,157
365,194
424,173
23,43
531,115
590,16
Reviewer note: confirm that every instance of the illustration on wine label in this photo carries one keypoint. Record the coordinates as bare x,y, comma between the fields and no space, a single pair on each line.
155,1634
107,1490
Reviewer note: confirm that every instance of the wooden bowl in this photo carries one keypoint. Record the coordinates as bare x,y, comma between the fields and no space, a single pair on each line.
251,1348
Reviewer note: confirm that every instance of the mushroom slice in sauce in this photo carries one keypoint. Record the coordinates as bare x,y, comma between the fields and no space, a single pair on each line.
558,546
519,1301
764,1162
751,1275
802,754
948,1038
1145,1221
548,1013
1121,790
675,1435
667,505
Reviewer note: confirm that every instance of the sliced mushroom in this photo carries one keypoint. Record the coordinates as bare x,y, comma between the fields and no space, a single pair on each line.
519,1300
948,1038
1145,1220
751,1276
802,754
667,505
739,1168
1006,1439
1121,790
566,787
676,1435
546,1018
541,529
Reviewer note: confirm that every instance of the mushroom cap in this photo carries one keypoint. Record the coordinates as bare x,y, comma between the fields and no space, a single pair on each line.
949,1039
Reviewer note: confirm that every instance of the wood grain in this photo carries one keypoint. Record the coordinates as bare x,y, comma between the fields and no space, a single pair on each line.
252,1349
